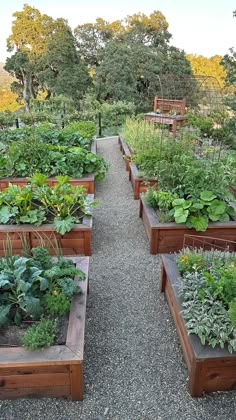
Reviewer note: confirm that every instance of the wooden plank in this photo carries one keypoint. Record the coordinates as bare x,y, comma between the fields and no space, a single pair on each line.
47,391
18,356
76,325
29,370
76,379
34,380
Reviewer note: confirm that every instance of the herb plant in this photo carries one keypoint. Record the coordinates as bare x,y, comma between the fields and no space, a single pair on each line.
208,291
40,335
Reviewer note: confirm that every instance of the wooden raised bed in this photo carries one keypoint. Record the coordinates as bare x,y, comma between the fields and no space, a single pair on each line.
139,184
53,372
77,241
168,237
87,180
209,369
125,150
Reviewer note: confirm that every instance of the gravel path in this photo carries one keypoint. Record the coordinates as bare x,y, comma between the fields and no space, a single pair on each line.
133,362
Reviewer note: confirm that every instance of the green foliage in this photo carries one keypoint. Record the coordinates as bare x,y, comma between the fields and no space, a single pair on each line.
62,203
87,129
195,212
203,123
139,56
232,312
207,318
191,262
189,176
33,286
57,302
208,291
114,114
40,335
25,157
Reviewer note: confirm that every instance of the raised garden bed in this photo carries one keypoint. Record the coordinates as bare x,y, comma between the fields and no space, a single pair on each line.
77,241
124,148
168,237
210,369
53,372
87,180
139,184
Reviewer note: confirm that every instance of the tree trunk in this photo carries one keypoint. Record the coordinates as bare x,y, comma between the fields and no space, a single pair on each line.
26,89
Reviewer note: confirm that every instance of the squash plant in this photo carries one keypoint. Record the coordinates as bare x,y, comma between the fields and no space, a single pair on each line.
37,203
195,211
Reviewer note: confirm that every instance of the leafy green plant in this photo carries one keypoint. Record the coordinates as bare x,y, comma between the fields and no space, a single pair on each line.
62,204
195,212
57,302
208,292
40,335
25,157
29,286
232,312
191,262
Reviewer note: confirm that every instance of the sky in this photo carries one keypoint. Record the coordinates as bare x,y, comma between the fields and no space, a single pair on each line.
202,27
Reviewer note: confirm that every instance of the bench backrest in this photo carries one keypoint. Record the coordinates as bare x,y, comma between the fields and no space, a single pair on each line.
169,106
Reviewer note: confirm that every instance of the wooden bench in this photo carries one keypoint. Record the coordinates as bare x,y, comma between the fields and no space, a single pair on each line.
168,111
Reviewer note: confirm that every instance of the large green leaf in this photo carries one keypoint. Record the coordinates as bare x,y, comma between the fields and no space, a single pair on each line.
217,207
34,217
5,280
38,179
33,307
207,195
63,225
224,218
6,213
4,311
178,202
231,211
181,215
199,223
197,205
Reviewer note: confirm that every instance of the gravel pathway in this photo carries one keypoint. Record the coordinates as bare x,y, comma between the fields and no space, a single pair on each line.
133,362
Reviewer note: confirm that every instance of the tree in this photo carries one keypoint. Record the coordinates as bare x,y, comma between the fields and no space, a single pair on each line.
130,71
45,57
29,37
19,66
60,70
229,63
135,58
91,40
208,67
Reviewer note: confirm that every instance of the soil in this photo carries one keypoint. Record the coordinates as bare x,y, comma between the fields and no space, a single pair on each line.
11,335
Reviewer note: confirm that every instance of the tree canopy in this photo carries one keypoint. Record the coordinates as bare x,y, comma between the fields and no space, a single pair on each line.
124,57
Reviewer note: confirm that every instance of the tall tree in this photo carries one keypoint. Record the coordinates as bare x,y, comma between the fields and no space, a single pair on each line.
60,69
30,33
134,59
91,40
229,63
208,67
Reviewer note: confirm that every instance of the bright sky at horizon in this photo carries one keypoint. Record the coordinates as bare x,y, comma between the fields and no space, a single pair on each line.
202,27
